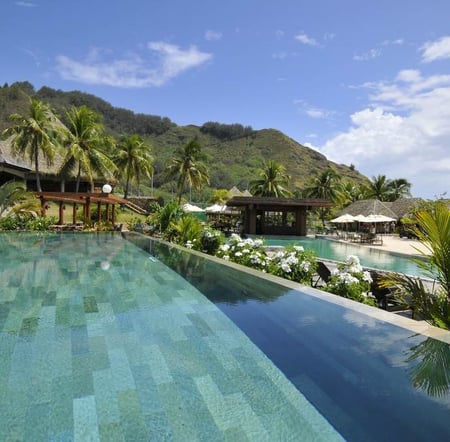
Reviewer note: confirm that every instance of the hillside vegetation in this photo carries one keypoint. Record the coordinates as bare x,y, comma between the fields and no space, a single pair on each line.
233,152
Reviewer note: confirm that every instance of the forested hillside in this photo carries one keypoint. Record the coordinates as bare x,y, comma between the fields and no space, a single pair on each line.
234,152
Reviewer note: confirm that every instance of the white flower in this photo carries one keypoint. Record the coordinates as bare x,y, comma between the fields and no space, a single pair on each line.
305,265
292,260
299,248
366,277
258,242
285,267
238,254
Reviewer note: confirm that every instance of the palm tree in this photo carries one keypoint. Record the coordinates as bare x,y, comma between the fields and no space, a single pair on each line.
324,186
86,146
385,189
133,159
272,181
378,188
433,230
14,199
348,192
187,166
34,135
399,188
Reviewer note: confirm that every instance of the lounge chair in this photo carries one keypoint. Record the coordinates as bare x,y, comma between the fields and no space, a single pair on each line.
384,295
323,275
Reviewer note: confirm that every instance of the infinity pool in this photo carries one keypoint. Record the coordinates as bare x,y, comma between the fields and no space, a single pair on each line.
108,339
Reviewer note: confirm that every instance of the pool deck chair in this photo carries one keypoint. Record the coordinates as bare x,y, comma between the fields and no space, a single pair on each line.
323,275
385,295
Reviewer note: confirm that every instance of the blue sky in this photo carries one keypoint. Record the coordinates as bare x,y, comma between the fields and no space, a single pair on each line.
364,82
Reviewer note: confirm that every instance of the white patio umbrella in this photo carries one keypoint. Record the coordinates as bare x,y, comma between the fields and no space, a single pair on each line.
190,208
379,219
215,208
361,218
343,219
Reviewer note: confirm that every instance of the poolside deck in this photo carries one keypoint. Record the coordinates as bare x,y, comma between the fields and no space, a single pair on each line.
391,243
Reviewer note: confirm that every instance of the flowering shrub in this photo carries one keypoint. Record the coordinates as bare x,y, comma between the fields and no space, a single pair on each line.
294,263
351,281
248,252
210,240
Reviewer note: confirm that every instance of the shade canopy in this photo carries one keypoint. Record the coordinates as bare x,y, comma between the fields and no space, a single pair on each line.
215,208
346,218
190,208
361,218
379,219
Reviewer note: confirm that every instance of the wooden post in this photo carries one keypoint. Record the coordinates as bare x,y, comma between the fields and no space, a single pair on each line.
43,207
88,210
61,213
99,211
113,215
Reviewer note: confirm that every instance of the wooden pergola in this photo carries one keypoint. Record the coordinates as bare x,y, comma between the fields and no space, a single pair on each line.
86,200
275,216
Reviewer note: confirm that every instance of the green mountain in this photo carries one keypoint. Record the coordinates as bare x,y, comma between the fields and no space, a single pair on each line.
234,153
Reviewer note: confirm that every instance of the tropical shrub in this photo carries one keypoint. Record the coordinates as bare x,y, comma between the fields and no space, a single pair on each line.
210,240
28,222
186,231
294,263
350,280
248,252
430,304
162,216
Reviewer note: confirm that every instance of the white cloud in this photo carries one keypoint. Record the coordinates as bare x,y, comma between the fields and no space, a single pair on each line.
369,55
303,38
280,55
213,35
167,62
398,41
25,4
404,134
436,50
329,36
313,111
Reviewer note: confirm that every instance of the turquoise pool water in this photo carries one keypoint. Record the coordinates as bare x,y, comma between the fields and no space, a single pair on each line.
101,341
338,251
107,339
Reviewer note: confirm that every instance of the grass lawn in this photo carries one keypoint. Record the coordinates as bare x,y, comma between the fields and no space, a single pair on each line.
122,216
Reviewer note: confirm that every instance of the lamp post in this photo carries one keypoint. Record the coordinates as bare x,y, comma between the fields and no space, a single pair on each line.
107,189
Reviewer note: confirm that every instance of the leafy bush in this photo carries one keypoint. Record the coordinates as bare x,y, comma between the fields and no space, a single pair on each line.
162,216
28,222
210,240
349,280
186,231
294,263
248,252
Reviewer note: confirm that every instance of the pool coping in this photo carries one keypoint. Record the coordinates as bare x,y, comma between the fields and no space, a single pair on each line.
416,326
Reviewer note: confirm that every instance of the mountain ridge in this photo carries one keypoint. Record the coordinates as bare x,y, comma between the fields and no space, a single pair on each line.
234,153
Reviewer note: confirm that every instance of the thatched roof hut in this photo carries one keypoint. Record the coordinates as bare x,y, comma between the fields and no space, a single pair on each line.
396,209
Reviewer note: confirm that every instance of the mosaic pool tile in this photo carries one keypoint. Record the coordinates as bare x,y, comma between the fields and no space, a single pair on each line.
133,353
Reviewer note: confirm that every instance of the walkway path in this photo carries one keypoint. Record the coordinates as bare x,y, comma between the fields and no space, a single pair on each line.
395,244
